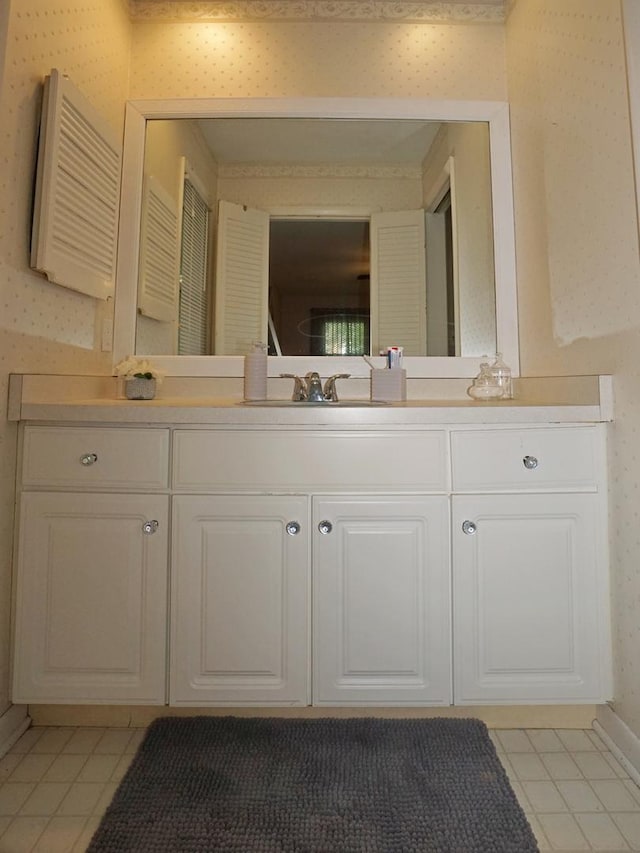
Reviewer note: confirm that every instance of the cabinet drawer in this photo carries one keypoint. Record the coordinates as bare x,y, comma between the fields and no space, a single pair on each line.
269,459
97,458
557,459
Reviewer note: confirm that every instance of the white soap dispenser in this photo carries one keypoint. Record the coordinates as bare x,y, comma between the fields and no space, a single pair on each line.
502,376
255,373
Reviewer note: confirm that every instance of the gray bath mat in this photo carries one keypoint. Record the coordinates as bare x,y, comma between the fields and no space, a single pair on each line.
269,785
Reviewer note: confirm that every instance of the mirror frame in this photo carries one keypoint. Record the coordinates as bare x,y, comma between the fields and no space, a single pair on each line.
495,113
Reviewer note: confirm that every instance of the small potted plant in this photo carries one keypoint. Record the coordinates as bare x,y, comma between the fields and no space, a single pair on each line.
140,378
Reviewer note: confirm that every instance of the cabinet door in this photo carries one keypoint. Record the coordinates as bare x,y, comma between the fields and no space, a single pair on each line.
240,600
529,599
91,598
381,600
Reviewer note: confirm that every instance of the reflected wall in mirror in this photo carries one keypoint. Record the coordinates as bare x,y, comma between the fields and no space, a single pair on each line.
320,236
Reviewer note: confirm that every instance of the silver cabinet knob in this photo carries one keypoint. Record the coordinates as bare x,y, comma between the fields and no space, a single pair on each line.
88,458
469,527
530,462
150,527
325,527
293,528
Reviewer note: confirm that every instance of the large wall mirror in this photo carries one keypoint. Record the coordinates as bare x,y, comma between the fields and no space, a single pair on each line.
325,228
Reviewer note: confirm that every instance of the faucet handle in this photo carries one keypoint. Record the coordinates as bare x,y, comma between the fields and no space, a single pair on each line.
314,393
299,390
330,392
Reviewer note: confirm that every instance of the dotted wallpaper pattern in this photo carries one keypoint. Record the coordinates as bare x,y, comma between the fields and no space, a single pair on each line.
375,194
577,243
89,41
573,150
317,59
588,185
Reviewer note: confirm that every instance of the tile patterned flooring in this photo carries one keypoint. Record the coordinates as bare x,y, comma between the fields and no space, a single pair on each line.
576,795
56,782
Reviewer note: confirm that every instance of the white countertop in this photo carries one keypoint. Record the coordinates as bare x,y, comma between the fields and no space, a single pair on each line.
225,411
184,401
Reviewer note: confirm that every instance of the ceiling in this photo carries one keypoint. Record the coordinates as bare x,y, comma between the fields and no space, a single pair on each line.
307,141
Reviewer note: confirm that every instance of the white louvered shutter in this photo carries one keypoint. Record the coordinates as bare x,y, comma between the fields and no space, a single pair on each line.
158,274
193,325
75,222
398,281
242,278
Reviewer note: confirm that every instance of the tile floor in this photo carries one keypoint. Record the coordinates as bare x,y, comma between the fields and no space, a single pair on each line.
55,783
576,795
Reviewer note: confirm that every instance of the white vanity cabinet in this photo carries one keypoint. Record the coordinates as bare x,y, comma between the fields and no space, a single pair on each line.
529,566
243,562
240,600
381,600
373,565
91,578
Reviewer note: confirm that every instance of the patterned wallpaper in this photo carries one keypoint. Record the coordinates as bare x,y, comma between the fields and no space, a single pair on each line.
572,146
290,59
577,242
89,42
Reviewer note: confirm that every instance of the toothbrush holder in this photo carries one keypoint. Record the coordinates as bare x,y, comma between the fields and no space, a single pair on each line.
389,385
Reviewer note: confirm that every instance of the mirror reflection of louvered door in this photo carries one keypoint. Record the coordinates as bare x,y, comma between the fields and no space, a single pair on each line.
158,278
193,326
242,278
398,281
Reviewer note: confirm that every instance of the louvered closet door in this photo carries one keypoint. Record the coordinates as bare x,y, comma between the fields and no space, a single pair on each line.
77,192
398,281
242,278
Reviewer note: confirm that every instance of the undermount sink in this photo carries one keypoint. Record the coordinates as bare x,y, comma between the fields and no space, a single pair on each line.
304,404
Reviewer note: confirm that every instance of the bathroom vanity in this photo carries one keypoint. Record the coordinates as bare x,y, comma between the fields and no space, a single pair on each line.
205,553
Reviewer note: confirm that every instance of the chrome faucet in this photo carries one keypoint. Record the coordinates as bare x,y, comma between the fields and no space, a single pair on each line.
299,388
315,393
309,389
330,392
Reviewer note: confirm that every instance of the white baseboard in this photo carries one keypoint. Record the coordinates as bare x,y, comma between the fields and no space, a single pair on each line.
622,742
13,723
